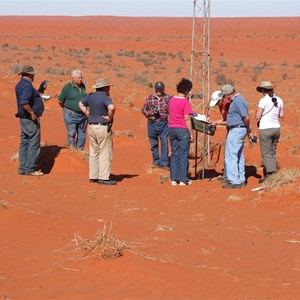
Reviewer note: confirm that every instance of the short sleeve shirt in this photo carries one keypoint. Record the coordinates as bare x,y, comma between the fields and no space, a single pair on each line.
98,103
71,95
270,115
238,109
178,108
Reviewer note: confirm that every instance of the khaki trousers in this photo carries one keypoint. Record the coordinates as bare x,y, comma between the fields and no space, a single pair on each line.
101,152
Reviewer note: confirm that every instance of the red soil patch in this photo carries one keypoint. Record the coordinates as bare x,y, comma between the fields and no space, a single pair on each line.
200,241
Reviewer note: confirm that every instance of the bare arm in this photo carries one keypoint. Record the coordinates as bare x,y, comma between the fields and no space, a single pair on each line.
111,112
27,107
246,121
188,122
259,113
281,113
84,108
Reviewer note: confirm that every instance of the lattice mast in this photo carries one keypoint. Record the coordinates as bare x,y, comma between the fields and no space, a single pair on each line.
199,73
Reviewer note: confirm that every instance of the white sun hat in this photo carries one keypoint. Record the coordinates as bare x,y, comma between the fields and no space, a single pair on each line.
215,98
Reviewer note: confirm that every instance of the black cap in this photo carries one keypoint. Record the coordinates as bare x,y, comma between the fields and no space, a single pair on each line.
159,86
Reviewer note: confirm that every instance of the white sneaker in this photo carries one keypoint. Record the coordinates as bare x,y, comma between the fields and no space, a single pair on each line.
184,183
174,182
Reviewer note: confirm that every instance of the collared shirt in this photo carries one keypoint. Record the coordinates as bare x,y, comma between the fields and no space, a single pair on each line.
238,109
27,94
98,103
153,102
71,94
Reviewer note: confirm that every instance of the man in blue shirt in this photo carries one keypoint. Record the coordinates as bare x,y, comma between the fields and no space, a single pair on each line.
238,125
30,108
100,110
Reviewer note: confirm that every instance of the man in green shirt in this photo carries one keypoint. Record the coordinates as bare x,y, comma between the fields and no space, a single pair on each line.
74,119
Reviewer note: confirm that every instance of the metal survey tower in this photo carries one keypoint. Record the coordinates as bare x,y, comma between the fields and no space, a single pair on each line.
199,73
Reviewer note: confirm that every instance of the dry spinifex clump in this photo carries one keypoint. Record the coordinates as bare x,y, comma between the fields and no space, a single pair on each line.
282,177
105,246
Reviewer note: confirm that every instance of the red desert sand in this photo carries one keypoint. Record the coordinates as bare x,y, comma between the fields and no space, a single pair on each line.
194,242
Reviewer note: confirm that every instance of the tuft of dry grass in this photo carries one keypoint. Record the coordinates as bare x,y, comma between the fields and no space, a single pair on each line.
3,203
163,178
104,246
282,177
235,198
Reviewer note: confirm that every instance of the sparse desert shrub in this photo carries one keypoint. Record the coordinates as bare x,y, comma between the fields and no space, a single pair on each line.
16,68
282,177
105,246
221,79
223,63
284,76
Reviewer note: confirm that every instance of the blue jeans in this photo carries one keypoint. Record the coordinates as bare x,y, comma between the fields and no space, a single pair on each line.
234,155
159,131
74,122
29,149
180,145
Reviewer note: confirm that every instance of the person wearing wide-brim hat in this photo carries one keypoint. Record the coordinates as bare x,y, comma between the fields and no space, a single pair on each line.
269,111
100,110
30,108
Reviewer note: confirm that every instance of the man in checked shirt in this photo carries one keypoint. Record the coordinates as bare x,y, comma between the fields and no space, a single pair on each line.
156,110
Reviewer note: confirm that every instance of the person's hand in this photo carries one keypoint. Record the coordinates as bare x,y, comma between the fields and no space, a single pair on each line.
192,139
106,118
33,116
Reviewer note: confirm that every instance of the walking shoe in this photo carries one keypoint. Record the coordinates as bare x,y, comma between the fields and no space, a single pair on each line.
234,185
36,173
21,172
107,182
93,180
183,183
174,182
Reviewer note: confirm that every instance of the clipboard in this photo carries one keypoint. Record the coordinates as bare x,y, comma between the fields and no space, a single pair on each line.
203,126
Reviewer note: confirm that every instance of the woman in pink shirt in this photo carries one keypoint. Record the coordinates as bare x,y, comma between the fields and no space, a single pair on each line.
180,133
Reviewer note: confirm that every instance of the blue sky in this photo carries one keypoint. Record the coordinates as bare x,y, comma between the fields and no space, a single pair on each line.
141,8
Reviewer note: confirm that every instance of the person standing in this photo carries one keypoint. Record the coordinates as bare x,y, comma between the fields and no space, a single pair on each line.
181,133
100,110
238,125
223,105
270,109
74,119
30,108
156,110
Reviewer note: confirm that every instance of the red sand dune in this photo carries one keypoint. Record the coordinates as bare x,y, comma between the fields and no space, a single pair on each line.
196,242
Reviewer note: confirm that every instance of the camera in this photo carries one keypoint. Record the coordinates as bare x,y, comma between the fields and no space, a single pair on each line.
156,112
253,139
211,128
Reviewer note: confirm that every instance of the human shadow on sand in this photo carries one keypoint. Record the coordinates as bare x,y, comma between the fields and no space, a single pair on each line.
212,174
120,177
47,157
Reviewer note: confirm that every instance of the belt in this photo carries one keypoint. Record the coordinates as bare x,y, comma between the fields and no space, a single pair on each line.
236,126
156,120
81,113
97,124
